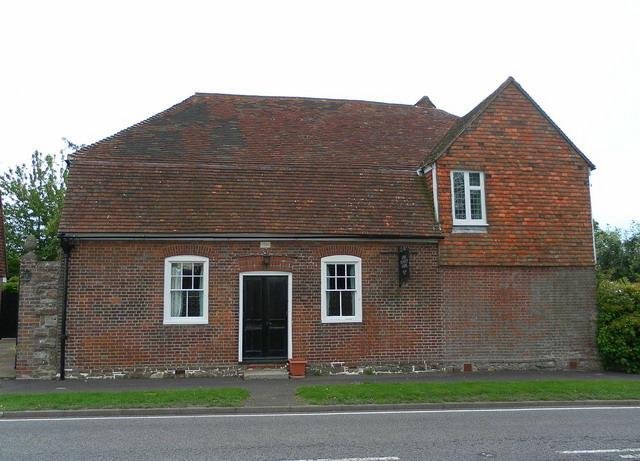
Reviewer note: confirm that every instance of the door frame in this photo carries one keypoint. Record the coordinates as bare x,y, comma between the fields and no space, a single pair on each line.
289,308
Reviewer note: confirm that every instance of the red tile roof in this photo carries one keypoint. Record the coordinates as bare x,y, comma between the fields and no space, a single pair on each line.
224,164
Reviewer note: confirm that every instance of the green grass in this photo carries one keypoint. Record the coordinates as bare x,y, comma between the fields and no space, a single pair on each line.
161,398
479,391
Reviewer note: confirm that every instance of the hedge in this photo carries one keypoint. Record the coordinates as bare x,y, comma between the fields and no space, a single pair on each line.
619,325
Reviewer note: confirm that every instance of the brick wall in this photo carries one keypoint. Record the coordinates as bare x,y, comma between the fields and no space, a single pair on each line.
537,191
491,317
514,317
40,303
115,317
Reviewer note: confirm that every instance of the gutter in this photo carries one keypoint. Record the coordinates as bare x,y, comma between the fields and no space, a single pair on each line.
67,246
424,169
246,237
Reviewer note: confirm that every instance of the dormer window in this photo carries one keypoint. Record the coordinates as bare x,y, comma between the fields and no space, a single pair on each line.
468,202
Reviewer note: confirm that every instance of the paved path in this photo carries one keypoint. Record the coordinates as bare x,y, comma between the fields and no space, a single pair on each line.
532,434
7,358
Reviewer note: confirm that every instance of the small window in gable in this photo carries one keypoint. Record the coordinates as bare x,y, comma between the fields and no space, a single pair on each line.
468,201
341,289
186,290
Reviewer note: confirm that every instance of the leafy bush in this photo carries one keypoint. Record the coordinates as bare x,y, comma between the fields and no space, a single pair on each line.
619,325
12,285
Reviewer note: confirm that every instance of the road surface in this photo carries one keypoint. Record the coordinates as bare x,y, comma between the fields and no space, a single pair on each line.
604,433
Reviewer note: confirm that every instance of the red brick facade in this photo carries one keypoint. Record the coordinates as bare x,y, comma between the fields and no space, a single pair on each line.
520,292
115,319
519,317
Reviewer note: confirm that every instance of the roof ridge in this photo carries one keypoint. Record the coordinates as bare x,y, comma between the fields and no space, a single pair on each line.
309,98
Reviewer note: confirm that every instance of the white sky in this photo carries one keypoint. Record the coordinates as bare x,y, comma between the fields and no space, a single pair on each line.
84,70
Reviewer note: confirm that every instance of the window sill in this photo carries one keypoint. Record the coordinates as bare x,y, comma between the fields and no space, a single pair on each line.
342,320
194,321
470,229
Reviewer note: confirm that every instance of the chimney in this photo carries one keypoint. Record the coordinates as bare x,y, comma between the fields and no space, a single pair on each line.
425,102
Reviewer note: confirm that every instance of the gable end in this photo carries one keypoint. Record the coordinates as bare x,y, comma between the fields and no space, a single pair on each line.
465,122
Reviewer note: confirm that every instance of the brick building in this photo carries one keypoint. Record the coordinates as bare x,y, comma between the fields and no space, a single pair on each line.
230,230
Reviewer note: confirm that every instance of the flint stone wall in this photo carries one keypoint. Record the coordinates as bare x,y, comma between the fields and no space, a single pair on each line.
39,315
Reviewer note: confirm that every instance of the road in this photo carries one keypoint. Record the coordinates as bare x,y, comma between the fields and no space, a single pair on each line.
604,433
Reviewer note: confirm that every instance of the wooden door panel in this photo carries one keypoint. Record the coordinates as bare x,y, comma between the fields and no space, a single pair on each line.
265,311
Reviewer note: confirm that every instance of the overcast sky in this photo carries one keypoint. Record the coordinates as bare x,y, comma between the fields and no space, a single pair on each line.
84,71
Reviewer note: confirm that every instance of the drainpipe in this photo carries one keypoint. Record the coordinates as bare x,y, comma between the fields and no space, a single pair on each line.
67,245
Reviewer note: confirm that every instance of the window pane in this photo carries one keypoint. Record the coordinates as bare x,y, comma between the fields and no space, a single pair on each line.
340,268
348,303
175,282
177,305
197,269
474,179
331,283
175,269
351,269
197,283
333,303
476,204
340,283
351,283
187,268
458,195
331,269
195,303
187,283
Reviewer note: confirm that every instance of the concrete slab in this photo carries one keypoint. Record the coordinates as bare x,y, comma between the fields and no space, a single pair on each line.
266,373
7,358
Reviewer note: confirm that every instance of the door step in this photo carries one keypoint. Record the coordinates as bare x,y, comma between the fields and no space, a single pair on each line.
265,373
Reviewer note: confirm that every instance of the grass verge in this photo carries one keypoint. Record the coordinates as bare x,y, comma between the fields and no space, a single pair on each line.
480,391
162,398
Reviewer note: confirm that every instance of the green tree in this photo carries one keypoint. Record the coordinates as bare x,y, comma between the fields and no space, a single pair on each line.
609,252
32,197
631,246
618,252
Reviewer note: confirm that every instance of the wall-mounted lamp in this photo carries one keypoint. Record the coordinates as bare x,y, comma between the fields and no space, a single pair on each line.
266,259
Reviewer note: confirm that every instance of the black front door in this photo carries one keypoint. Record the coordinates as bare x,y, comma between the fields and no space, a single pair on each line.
264,317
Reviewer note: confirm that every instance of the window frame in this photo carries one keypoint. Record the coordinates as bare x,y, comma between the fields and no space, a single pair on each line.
469,221
341,259
168,319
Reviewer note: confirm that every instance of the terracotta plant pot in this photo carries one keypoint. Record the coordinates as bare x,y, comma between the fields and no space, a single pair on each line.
297,368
